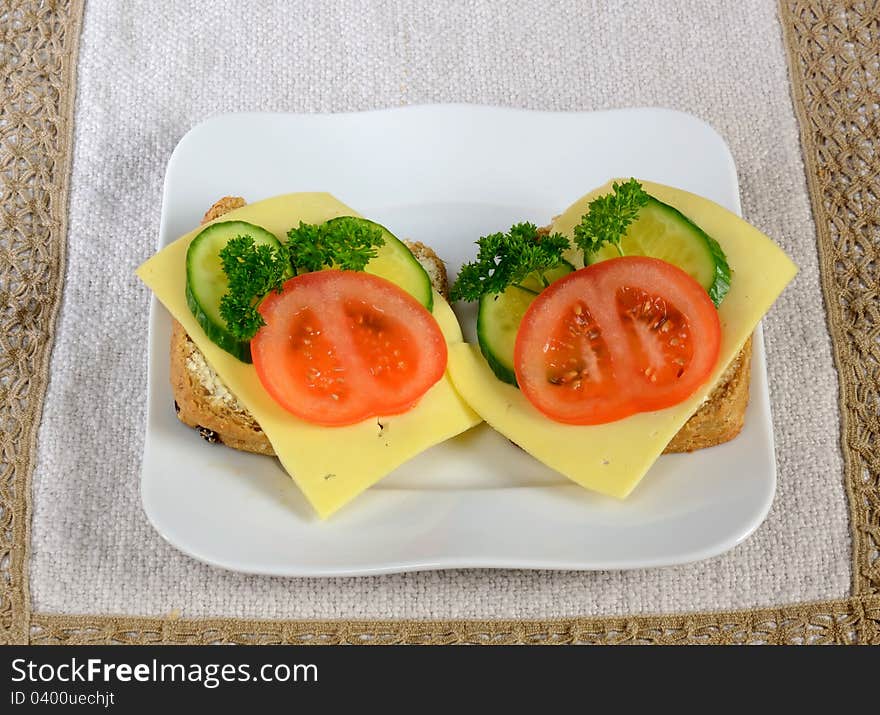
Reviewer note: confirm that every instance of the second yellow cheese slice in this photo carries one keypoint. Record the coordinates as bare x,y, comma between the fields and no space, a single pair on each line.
612,458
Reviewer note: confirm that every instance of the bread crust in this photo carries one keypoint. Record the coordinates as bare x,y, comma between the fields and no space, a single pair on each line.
223,206
216,417
202,402
722,416
433,264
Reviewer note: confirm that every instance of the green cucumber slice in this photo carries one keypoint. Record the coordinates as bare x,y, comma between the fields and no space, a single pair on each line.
499,317
661,231
206,282
396,263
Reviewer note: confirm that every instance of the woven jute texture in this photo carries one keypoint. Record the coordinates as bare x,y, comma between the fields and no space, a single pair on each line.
832,49
38,45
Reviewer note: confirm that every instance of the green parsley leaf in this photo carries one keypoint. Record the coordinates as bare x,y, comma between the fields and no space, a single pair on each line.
609,216
346,243
506,259
252,271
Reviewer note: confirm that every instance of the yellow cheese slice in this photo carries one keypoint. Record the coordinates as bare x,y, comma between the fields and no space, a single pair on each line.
612,458
331,465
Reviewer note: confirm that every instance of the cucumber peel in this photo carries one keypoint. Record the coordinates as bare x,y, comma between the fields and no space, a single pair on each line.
662,231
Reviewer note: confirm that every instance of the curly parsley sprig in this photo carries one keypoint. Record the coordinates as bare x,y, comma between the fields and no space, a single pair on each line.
253,270
507,259
609,216
346,243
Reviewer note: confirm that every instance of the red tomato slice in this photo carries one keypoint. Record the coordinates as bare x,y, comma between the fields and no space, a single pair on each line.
631,334
339,347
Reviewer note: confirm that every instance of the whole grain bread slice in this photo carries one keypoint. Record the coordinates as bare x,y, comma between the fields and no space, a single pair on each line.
202,401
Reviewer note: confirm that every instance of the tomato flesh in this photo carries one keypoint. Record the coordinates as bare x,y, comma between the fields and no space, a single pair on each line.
340,347
631,334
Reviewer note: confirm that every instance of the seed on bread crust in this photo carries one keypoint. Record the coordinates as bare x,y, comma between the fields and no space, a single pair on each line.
209,435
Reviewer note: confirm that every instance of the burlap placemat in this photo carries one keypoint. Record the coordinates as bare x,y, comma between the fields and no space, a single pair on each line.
833,64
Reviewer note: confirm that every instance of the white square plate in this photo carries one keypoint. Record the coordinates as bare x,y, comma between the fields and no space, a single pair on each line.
446,175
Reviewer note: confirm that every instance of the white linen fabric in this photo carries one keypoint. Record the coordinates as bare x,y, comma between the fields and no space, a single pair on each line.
148,71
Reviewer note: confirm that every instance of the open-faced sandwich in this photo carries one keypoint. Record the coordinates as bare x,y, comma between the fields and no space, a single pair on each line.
304,330
621,331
